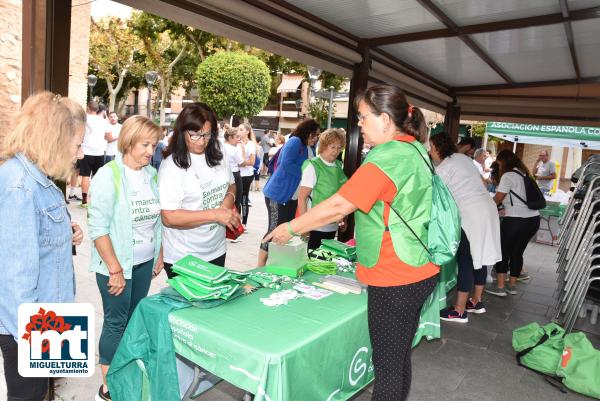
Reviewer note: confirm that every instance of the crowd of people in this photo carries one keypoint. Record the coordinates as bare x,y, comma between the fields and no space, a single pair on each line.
143,219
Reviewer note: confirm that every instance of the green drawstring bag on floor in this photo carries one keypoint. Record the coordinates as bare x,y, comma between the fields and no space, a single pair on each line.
580,365
539,348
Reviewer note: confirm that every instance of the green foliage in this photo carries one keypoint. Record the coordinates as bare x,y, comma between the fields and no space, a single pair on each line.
330,79
234,83
319,110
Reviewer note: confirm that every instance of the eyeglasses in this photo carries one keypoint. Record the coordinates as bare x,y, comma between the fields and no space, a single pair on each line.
196,136
362,117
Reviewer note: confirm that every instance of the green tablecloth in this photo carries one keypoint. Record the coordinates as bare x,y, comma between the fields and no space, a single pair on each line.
554,210
306,350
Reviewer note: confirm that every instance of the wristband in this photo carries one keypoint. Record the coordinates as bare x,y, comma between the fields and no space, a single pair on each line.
230,193
115,273
289,228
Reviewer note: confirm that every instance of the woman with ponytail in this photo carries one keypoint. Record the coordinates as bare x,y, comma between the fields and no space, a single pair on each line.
394,178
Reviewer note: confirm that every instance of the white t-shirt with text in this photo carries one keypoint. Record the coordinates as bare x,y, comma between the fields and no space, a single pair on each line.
94,143
200,187
145,211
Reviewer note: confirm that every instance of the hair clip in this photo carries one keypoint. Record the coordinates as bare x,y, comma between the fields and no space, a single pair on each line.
56,98
410,110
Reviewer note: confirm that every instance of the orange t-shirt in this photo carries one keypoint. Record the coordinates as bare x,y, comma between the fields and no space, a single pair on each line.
366,186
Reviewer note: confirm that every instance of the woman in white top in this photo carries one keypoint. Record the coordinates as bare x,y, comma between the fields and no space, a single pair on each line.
322,177
235,156
247,171
197,190
519,224
480,237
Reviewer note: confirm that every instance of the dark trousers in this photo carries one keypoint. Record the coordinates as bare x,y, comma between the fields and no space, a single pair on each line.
238,191
118,309
220,261
279,213
246,182
515,233
393,314
19,388
467,274
315,237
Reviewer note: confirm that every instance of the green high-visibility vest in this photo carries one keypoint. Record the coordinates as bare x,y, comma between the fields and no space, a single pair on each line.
329,179
412,180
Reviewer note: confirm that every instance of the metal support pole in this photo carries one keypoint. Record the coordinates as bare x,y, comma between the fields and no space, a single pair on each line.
148,111
331,88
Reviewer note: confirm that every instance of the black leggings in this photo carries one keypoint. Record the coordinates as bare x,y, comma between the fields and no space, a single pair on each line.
515,233
315,237
220,261
467,274
393,314
238,190
246,182
19,388
279,213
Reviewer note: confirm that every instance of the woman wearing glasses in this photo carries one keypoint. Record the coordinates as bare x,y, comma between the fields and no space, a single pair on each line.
197,190
390,259
322,176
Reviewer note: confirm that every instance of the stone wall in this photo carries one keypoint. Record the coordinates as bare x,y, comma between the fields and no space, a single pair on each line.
10,62
11,57
80,50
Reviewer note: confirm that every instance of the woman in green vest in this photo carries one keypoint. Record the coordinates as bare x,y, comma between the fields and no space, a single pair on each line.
322,177
393,180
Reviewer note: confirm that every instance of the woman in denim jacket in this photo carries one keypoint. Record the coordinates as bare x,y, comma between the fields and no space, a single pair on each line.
124,223
36,234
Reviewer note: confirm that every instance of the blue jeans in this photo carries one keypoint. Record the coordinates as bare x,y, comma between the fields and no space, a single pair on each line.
118,309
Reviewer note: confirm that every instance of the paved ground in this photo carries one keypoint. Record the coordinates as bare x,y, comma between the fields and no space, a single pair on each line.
472,361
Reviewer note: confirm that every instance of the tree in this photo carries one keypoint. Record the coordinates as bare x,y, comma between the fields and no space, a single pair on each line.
113,48
163,51
319,110
234,83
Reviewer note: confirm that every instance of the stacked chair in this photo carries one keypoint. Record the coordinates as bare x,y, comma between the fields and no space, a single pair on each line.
579,252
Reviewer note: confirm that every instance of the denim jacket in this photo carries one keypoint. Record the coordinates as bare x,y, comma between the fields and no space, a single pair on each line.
285,180
36,261
109,214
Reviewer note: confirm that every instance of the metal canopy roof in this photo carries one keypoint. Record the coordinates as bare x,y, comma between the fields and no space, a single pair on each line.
502,60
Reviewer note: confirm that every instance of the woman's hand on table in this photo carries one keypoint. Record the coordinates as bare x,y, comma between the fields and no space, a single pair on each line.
77,234
280,235
228,217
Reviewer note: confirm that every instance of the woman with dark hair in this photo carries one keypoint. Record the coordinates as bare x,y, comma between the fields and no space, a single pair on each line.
281,191
197,190
480,236
519,224
394,180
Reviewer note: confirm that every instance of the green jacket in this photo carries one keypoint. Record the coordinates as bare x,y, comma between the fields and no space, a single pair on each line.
109,213
413,183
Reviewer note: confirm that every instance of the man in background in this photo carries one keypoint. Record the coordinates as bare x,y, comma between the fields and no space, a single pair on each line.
112,136
544,171
93,147
466,146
